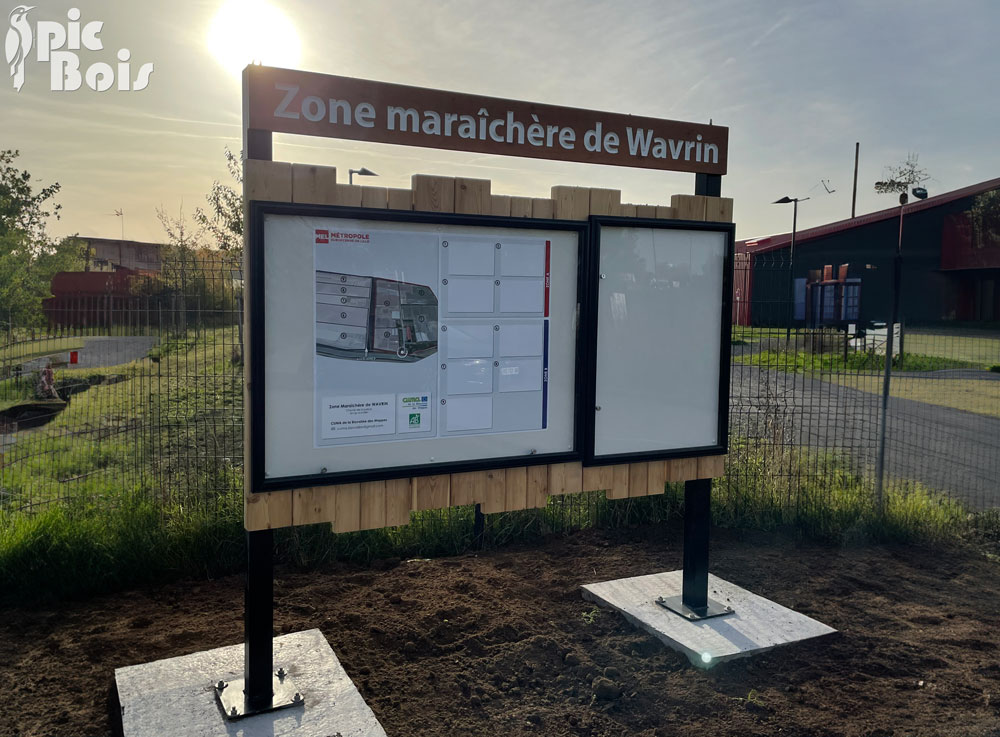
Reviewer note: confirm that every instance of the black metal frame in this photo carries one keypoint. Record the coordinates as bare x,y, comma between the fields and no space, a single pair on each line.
255,453
722,446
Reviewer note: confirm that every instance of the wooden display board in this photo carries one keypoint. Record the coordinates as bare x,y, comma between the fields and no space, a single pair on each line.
376,504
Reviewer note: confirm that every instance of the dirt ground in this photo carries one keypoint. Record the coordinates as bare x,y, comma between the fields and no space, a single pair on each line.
502,643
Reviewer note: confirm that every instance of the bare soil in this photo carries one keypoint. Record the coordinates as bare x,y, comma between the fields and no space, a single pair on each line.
501,643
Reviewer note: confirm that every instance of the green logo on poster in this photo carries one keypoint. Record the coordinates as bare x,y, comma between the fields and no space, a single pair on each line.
415,420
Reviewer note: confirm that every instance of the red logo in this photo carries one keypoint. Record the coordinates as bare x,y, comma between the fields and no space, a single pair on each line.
325,236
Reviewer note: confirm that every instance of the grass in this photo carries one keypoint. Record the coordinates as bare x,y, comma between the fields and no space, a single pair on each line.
983,350
969,395
128,538
806,362
174,424
148,475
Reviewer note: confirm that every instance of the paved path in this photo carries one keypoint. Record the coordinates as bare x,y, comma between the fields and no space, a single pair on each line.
112,351
947,449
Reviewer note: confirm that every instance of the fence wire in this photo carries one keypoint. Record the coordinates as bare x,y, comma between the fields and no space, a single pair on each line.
114,397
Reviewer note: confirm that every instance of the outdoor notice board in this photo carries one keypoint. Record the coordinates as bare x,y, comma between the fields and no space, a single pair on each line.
660,379
395,342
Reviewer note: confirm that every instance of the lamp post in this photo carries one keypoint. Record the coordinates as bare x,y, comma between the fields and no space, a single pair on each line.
362,172
791,259
897,278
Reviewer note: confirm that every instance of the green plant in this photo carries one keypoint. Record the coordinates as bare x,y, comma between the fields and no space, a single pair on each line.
590,617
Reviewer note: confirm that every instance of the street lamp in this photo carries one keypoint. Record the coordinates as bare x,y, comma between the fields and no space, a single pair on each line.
791,258
362,172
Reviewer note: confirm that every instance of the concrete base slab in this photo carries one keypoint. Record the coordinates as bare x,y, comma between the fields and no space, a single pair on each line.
175,696
755,625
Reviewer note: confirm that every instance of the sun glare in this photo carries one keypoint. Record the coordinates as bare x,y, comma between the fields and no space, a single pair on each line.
252,31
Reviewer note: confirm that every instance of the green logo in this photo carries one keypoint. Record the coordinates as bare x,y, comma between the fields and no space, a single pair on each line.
415,420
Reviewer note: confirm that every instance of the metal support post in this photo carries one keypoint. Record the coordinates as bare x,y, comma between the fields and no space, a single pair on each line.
478,527
708,184
693,603
897,277
258,618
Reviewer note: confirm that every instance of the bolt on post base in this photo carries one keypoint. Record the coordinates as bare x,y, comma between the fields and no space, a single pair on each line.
677,606
235,704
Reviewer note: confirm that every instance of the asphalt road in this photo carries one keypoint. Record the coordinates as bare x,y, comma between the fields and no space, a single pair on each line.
949,450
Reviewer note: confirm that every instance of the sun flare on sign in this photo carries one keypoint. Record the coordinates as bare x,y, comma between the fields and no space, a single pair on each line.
252,31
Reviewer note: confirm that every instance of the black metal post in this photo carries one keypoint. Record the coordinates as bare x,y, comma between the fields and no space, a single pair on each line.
478,527
897,276
708,184
791,276
697,520
259,620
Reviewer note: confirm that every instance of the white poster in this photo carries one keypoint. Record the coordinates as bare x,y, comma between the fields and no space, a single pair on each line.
391,343
459,323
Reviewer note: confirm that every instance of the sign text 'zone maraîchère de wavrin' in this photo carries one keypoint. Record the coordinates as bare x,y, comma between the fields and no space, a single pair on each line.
287,101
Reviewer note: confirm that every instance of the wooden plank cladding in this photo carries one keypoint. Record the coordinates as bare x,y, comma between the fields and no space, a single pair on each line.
389,503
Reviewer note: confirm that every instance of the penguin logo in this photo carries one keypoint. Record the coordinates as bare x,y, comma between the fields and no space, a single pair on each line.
18,43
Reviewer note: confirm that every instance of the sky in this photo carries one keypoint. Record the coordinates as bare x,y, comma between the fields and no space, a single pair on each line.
797,83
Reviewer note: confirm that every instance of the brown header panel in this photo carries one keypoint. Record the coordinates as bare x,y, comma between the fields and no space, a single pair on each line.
289,101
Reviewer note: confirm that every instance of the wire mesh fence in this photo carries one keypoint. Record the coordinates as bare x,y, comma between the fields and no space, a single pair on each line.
136,393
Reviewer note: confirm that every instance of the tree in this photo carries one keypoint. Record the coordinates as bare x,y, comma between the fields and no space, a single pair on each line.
901,177
21,209
28,259
985,217
223,222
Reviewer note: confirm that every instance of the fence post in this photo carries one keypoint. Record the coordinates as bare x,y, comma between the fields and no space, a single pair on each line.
897,276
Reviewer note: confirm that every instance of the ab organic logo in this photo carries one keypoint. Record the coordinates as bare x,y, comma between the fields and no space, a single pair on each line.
61,45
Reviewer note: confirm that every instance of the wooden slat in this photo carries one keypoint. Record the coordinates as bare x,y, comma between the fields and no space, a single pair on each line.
619,487
541,208
574,478
472,196
312,505
375,197
638,479
565,478
496,491
316,185
467,488
520,207
719,209
431,492
570,203
398,501
400,199
347,508
645,211
267,180
538,486
689,206
433,194
372,505
349,195
627,211
557,478
598,478
500,205
666,213
605,201
657,477
516,489
683,469
267,511
711,467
